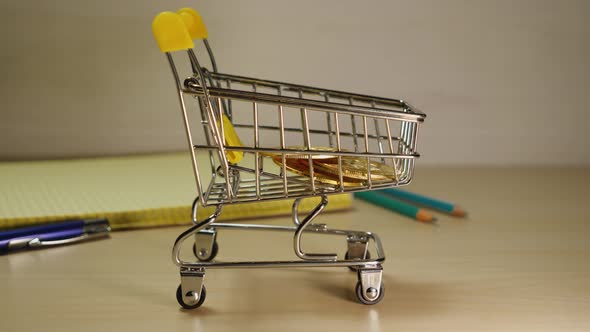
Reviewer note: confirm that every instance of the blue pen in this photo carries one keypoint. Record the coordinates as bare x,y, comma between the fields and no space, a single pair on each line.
53,227
53,234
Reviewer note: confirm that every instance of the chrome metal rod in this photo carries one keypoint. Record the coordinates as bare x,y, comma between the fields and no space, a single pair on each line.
353,126
377,133
186,123
301,228
311,152
311,131
282,144
339,147
210,52
276,264
256,143
186,234
310,229
207,131
320,91
366,138
307,103
219,139
307,144
329,124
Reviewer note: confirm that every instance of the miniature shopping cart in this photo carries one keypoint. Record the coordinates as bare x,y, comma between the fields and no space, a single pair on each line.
249,128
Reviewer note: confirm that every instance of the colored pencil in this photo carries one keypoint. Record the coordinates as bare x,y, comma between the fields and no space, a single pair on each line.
425,201
395,205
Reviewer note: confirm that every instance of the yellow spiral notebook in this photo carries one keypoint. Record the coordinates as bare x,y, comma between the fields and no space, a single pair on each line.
132,192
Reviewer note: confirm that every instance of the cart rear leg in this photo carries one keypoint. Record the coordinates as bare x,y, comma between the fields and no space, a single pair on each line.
205,247
358,249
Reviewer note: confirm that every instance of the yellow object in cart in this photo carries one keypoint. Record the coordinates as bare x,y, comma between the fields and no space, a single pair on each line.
231,139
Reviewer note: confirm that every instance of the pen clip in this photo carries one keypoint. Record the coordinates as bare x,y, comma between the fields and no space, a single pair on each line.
37,243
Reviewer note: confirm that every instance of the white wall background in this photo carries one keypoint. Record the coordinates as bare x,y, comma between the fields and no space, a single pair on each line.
503,82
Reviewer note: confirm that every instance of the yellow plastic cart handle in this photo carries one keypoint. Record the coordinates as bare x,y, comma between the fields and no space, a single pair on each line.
175,32
197,30
171,33
194,23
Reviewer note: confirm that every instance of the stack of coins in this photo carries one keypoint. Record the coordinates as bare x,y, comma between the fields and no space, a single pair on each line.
356,171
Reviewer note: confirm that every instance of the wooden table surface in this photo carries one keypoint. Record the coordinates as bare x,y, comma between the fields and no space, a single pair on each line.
519,262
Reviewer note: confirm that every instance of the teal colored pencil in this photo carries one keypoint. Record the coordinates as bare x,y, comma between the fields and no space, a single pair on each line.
395,205
425,201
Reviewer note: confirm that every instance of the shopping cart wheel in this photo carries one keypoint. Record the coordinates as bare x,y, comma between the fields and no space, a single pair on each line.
205,247
192,305
369,288
204,257
347,256
371,296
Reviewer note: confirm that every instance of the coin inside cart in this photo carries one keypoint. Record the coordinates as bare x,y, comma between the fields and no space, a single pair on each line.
299,152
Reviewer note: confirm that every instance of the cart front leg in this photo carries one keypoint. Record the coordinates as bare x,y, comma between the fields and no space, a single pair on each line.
369,288
191,291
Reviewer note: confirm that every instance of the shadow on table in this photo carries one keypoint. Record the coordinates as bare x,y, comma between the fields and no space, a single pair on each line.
329,292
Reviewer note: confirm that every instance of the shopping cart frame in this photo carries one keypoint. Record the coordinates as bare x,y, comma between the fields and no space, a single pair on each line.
214,95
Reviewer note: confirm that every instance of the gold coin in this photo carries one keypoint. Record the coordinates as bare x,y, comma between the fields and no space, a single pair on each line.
301,167
358,168
299,153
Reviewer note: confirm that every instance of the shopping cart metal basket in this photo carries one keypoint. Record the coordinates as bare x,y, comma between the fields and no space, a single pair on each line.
251,129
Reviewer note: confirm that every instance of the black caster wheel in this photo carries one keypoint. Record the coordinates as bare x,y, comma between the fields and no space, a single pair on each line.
214,251
354,268
362,299
194,305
